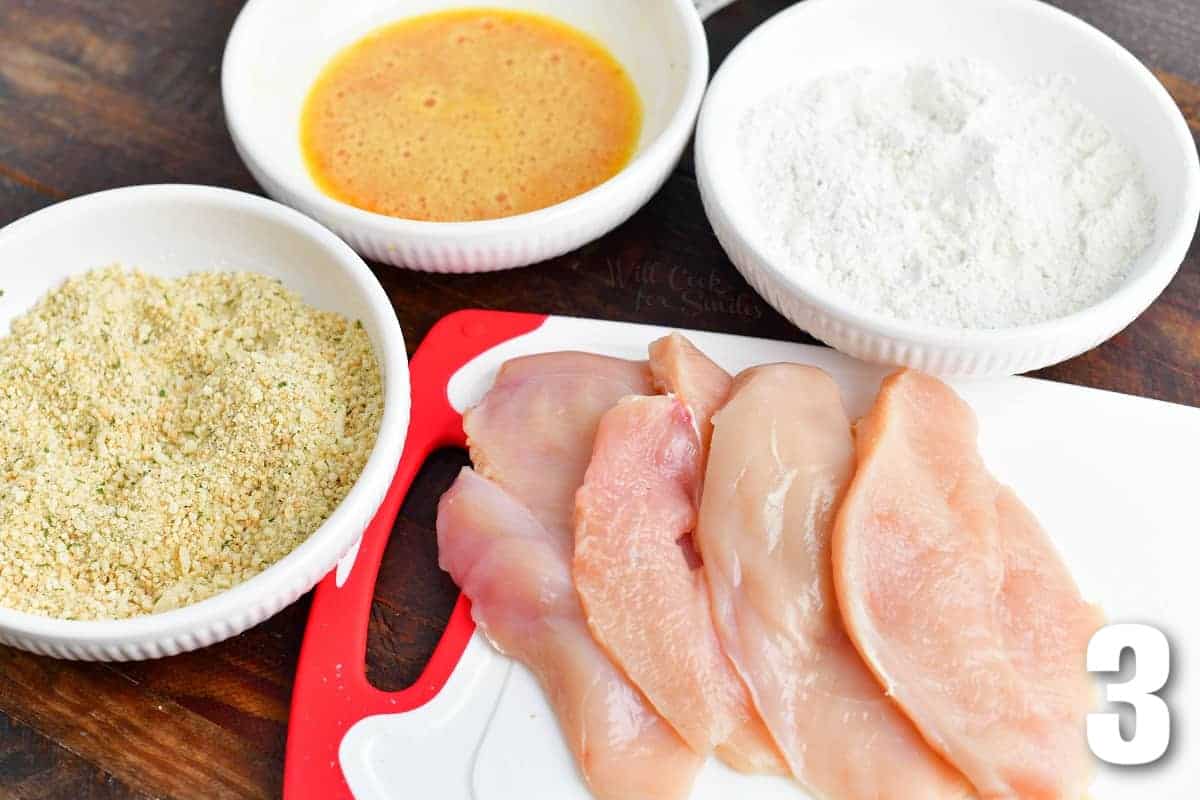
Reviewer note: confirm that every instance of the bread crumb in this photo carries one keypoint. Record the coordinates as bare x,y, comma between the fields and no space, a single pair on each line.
164,440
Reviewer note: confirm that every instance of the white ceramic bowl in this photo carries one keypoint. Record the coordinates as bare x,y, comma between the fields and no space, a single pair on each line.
1020,37
172,230
277,48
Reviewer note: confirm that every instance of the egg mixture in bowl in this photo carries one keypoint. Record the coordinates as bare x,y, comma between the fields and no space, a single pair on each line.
469,114
558,147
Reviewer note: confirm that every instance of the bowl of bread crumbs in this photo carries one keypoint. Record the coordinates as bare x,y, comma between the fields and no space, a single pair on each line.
204,397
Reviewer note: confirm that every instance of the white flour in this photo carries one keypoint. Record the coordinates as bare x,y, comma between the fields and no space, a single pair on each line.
946,194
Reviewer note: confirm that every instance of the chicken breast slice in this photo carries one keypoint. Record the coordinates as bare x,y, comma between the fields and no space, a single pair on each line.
518,577
646,601
532,433
780,460
681,369
959,602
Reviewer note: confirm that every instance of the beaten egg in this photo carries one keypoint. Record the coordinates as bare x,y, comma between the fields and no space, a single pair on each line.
468,115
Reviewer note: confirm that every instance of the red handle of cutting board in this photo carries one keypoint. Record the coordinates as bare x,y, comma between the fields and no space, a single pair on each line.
331,692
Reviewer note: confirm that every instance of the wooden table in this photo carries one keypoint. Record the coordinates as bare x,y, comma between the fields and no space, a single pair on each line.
96,94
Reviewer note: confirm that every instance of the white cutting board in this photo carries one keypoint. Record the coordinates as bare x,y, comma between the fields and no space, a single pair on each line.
1113,478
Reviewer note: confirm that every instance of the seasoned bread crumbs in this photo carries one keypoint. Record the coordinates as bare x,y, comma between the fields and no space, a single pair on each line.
164,440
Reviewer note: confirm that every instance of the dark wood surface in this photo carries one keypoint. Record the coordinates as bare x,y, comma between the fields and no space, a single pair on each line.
95,94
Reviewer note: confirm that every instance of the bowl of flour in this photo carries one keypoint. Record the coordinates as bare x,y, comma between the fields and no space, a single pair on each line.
972,189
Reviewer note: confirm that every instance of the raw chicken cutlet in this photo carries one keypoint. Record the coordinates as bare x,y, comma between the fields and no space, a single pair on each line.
681,369
780,460
532,436
518,576
646,601
532,433
959,602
